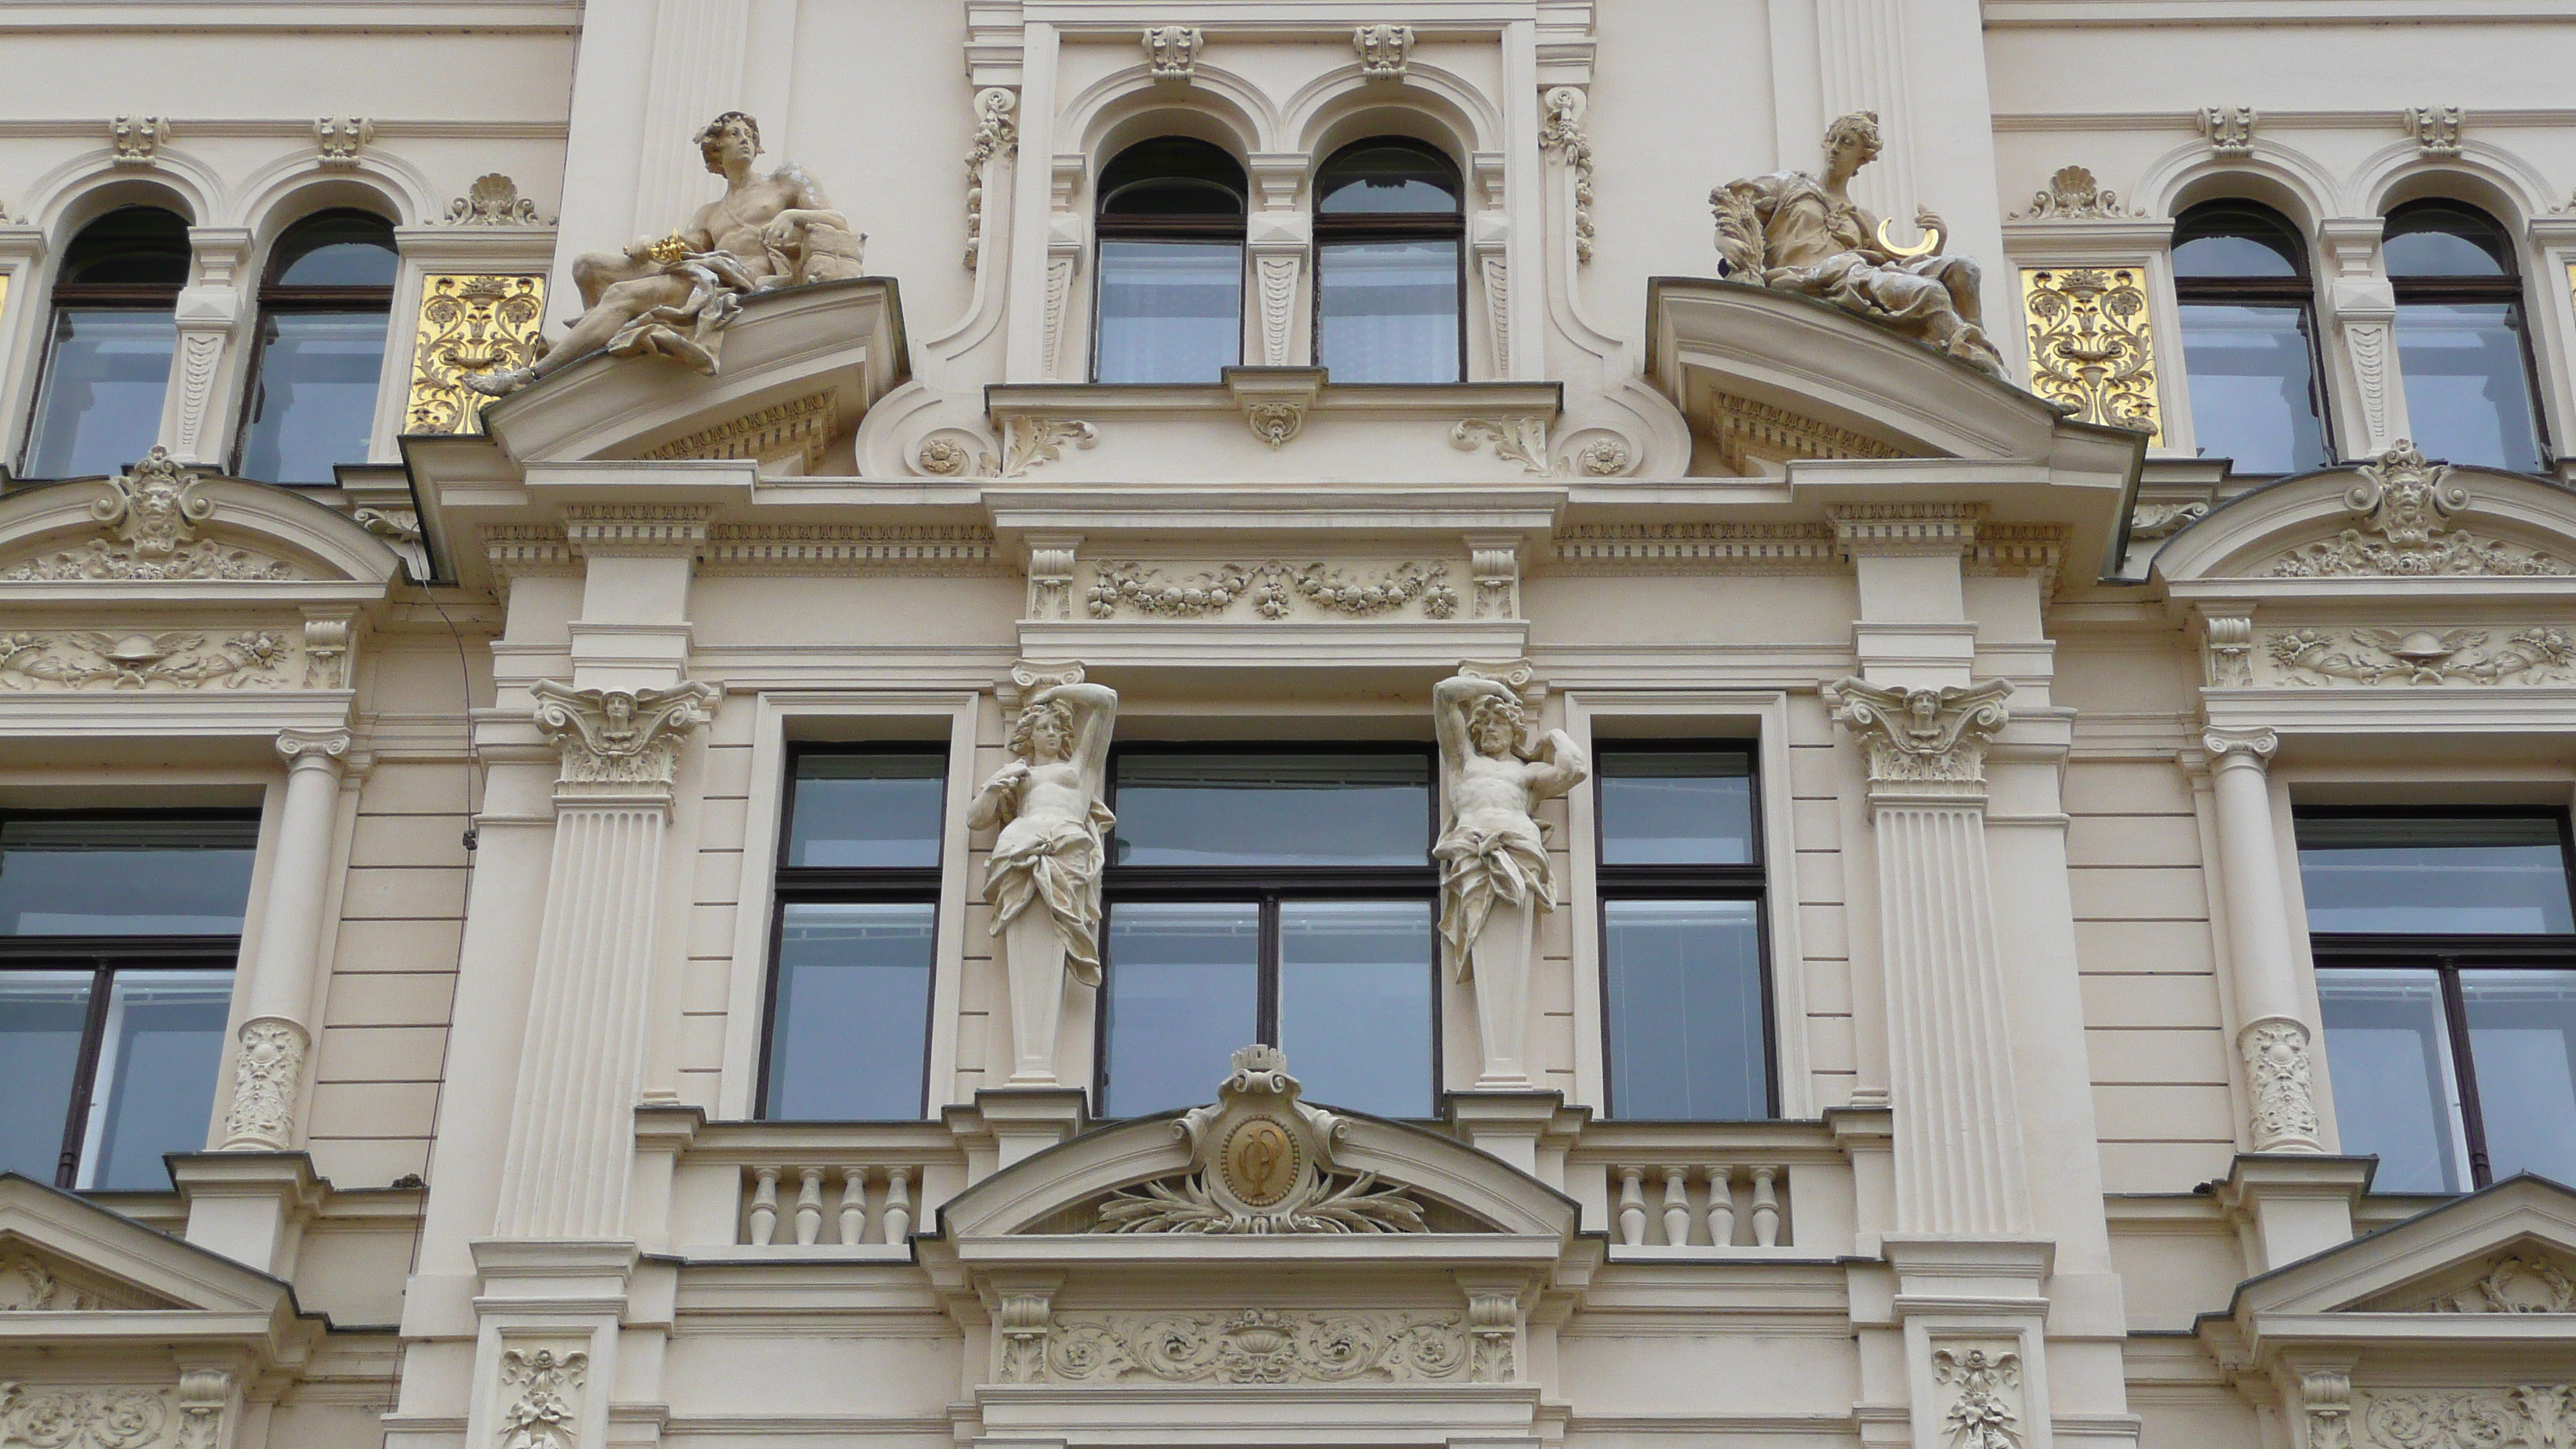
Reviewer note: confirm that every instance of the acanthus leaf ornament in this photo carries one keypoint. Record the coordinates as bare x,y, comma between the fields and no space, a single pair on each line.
1922,736
2436,129
137,140
2523,1282
268,1074
83,1416
2524,1416
1172,51
2277,1073
340,139
2230,130
618,736
2328,1396
1515,440
1261,1162
1384,50
2090,349
2073,195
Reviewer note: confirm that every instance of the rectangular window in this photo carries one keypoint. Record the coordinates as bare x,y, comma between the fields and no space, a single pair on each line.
2446,969
1686,999
1170,311
118,937
1274,895
848,1036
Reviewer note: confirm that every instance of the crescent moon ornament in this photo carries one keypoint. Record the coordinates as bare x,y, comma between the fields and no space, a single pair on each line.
1931,243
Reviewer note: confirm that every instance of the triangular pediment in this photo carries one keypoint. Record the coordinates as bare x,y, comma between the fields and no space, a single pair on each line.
61,1254
2509,1249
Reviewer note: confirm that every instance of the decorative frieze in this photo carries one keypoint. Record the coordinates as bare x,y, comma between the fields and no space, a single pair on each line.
2402,528
87,1416
470,326
1615,548
2073,195
1258,1346
1980,1398
805,548
2436,129
2369,656
997,138
1384,50
169,659
1274,589
1261,1162
2091,348
2525,1416
493,200
619,736
1920,737
1561,136
1172,51
2230,130
544,1397
793,432
340,139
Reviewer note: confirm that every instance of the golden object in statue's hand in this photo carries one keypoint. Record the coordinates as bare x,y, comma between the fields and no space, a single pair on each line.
1931,243
668,250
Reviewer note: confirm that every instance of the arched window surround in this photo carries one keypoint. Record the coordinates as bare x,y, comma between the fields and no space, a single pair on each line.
1402,237
2249,341
2463,319
322,315
1169,217
98,399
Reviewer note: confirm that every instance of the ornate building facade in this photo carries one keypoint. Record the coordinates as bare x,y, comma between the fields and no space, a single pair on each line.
1064,723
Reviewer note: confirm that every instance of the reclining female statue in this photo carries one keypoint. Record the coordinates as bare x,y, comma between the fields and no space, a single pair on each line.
1795,232
675,295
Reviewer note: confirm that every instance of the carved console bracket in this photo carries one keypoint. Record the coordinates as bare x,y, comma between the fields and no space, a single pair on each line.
1275,400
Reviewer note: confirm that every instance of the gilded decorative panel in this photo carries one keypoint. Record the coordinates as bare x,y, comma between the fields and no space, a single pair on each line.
2091,348
469,325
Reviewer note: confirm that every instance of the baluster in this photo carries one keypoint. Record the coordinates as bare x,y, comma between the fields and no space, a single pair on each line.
1766,1209
1721,1207
854,1204
1632,1206
898,1208
1677,1207
764,1207
809,1207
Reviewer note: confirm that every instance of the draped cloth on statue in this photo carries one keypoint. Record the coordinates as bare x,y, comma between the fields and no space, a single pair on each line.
1053,865
1483,868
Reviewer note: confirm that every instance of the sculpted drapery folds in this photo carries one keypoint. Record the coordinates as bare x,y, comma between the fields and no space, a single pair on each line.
1493,854
1796,232
673,297
1054,828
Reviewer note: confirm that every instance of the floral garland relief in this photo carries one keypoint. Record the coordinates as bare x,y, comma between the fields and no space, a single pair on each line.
1273,587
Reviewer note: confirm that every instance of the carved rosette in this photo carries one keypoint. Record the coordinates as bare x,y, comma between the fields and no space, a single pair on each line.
1923,741
2277,1076
268,1073
620,738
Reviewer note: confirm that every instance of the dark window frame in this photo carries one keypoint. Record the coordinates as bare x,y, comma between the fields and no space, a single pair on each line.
97,297
2450,954
834,885
277,298
1107,226
1399,226
2299,289
1747,882
1268,887
107,956
2438,290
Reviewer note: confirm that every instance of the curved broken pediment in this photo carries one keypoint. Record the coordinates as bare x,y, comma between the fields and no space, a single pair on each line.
2400,516
1259,1162
1768,376
161,522
801,366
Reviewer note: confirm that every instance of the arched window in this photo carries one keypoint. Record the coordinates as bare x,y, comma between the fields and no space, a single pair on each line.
2461,343
322,308
1171,263
2249,338
1388,256
107,363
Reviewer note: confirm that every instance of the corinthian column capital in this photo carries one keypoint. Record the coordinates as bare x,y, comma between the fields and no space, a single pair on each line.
620,737
1923,737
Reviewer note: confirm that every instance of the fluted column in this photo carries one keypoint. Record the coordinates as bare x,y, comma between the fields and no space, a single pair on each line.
268,1069
572,1141
1960,1163
2273,1037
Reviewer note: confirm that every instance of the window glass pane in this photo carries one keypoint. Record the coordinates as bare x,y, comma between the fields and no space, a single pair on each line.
132,246
344,249
2394,1094
315,400
1172,176
849,1032
1388,311
856,811
1182,994
42,1014
90,877
2252,393
2522,1034
156,1075
2467,397
2443,241
2428,874
1170,311
1356,809
1676,807
1381,179
1685,1011
1355,1003
103,385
